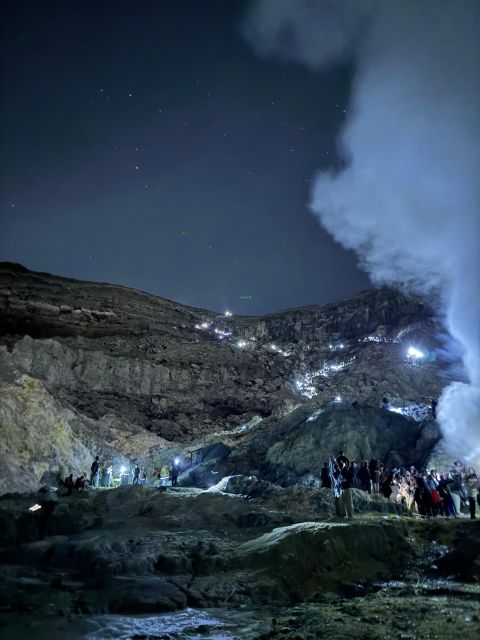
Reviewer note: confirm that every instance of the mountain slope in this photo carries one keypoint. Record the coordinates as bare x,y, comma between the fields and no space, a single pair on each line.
136,371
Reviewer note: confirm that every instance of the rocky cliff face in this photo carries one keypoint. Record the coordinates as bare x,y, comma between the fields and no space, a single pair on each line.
122,372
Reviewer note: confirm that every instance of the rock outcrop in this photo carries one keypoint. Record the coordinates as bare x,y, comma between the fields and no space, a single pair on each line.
91,368
135,550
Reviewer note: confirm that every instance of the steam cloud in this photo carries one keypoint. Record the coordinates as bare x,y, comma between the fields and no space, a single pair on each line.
408,199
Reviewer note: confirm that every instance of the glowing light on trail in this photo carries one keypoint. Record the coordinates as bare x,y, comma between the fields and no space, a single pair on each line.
414,353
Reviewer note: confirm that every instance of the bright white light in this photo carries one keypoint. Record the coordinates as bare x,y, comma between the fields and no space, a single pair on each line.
227,314
35,507
274,347
205,325
417,411
176,461
396,410
122,470
241,343
341,346
414,353
338,399
221,333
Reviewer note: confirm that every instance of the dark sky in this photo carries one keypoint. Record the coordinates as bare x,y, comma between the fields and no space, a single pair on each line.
144,143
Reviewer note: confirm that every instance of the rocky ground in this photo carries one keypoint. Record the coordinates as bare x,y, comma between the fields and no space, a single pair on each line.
243,559
247,546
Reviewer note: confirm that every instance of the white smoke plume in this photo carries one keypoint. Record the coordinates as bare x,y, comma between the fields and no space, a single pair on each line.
408,198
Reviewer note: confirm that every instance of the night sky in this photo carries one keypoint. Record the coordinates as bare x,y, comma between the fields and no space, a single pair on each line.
144,143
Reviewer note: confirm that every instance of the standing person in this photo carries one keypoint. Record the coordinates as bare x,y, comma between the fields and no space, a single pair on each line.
174,472
48,501
423,496
374,466
386,484
143,476
447,504
472,491
136,474
456,490
343,462
346,498
337,486
325,477
364,477
352,476
94,469
69,484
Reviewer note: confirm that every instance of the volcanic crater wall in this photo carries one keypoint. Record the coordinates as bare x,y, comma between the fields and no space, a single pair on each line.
138,371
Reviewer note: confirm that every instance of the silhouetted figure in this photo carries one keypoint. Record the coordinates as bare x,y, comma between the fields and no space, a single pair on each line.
325,477
352,476
423,496
175,470
69,484
136,474
80,483
342,461
374,467
386,484
346,499
448,505
434,408
472,491
364,477
94,469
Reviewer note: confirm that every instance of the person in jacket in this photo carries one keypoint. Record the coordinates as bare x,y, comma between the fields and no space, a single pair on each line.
472,491
136,474
364,477
94,471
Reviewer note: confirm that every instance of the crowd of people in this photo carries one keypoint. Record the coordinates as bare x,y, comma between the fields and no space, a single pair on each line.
426,493
423,492
139,476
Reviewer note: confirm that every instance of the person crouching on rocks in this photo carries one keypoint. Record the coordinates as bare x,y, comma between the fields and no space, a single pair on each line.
80,483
